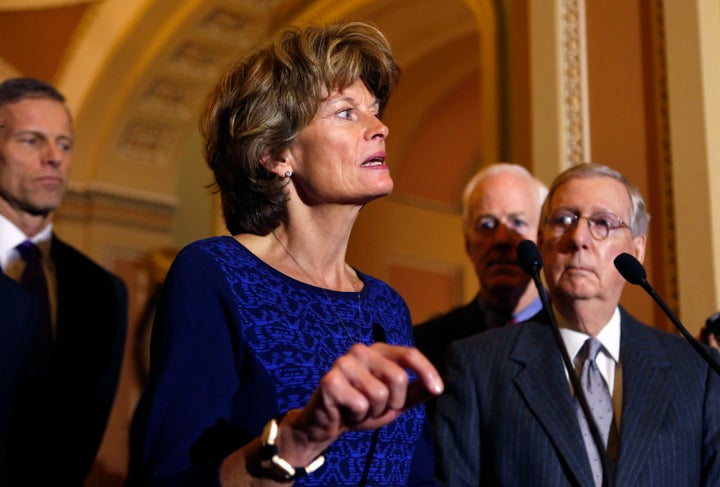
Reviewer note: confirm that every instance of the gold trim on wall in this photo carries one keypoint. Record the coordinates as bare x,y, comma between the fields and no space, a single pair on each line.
574,82
664,231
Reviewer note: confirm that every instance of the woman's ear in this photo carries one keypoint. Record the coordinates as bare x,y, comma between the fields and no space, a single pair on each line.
276,164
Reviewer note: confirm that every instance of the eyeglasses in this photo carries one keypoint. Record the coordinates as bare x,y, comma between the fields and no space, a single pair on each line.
487,225
600,224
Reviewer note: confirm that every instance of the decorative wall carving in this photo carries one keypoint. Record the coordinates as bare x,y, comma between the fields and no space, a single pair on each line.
666,236
574,82
117,205
148,142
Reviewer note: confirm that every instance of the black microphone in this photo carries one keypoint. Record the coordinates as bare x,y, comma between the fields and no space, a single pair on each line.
531,262
415,395
529,257
634,273
631,269
378,333
378,336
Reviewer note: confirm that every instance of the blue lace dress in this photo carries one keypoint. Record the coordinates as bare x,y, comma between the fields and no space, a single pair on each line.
235,343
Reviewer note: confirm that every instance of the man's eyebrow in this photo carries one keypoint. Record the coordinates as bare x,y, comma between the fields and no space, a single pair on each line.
44,135
36,133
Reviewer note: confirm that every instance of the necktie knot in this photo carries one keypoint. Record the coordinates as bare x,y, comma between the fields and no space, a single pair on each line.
29,252
33,277
589,350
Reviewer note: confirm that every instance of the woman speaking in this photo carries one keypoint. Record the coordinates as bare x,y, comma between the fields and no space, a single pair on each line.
274,361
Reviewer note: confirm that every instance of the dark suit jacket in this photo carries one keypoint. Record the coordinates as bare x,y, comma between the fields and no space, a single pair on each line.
507,417
433,337
55,443
18,322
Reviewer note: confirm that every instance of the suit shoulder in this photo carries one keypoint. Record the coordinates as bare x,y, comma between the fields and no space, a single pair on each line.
70,261
660,345
459,314
491,339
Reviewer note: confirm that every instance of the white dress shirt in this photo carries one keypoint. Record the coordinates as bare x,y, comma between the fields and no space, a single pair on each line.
609,336
12,264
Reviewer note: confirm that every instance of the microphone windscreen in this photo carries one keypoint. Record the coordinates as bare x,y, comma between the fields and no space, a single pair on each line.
378,333
529,257
630,268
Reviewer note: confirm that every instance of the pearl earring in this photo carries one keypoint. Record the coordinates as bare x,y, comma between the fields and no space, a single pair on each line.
288,173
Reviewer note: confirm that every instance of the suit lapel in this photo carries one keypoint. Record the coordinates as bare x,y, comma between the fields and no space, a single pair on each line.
18,330
645,375
546,392
70,291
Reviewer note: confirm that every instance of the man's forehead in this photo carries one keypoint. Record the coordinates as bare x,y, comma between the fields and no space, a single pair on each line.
599,193
499,208
36,113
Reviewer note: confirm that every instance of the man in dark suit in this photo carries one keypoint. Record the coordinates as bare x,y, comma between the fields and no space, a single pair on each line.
17,327
60,411
501,208
509,417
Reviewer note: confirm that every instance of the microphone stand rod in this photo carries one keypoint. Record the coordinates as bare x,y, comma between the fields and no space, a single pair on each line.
577,388
675,321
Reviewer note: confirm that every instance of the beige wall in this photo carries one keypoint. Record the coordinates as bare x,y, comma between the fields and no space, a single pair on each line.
544,83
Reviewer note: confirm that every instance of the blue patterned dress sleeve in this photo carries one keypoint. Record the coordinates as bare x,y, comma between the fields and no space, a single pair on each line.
235,343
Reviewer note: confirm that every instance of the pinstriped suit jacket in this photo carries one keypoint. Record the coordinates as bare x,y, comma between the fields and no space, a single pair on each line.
507,417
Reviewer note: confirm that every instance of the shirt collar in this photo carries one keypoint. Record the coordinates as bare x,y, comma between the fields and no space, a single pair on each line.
493,317
529,311
609,336
11,236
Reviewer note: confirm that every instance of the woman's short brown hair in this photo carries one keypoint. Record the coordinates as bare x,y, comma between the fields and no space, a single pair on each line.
263,101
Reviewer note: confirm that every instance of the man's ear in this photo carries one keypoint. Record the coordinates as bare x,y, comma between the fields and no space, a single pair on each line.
639,243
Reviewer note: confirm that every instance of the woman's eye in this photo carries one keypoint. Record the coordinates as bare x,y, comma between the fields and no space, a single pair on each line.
345,113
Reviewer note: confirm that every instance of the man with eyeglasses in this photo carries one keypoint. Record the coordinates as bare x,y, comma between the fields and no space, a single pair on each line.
509,417
501,208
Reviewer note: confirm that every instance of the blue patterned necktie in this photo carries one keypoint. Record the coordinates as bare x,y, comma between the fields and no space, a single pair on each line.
600,402
33,279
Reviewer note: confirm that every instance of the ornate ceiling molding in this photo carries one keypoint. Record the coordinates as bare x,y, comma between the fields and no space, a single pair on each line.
7,70
41,4
117,205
